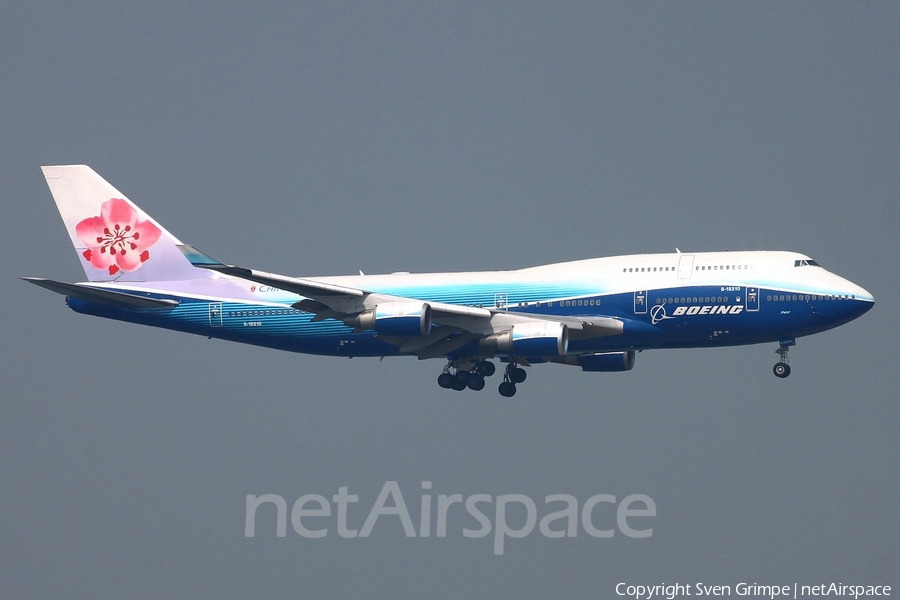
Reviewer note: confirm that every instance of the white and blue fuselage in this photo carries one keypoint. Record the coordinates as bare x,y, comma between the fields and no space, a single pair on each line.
593,313
664,301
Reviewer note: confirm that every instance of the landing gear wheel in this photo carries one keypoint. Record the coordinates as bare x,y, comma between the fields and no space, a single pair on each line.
460,381
517,375
485,368
476,382
445,380
781,370
507,389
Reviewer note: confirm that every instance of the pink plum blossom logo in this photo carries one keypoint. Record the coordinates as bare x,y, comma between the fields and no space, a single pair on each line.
117,240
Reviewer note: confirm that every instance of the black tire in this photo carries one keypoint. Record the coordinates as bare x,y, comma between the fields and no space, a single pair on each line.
460,381
507,389
781,370
476,382
445,380
517,375
486,368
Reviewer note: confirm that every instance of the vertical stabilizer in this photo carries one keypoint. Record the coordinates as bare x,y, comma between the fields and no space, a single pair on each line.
115,239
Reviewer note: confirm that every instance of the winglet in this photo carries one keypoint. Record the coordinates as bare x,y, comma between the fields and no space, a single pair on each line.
199,259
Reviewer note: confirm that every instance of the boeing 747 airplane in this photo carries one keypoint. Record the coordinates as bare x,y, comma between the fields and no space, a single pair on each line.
594,314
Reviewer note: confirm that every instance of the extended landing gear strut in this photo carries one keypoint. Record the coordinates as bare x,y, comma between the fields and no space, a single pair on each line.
782,369
466,374
513,375
460,374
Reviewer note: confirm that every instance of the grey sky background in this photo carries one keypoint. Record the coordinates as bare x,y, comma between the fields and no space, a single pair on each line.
327,138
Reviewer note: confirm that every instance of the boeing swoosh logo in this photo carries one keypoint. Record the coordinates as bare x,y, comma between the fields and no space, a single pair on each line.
658,313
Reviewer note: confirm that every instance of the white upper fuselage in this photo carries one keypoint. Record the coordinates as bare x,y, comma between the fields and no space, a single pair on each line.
617,274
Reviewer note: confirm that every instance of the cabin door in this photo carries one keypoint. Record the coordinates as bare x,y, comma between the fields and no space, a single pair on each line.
215,314
685,266
752,299
501,301
640,302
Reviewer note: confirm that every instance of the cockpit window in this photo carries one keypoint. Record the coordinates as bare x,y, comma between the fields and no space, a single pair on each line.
806,262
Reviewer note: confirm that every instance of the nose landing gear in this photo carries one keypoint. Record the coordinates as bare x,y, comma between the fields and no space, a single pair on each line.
782,369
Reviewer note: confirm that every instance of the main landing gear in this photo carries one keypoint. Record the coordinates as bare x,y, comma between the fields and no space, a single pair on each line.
511,377
467,374
470,373
782,369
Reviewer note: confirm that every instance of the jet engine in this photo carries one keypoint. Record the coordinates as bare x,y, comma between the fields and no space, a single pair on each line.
607,361
403,319
541,338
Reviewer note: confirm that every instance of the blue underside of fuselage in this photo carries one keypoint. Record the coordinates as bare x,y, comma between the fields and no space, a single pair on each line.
684,317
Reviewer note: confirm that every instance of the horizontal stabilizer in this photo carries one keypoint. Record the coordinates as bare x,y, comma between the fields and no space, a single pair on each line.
101,295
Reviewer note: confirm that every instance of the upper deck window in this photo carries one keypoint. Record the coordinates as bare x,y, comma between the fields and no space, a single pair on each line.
806,262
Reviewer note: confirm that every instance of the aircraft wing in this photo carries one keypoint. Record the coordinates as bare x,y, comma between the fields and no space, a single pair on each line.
324,297
460,325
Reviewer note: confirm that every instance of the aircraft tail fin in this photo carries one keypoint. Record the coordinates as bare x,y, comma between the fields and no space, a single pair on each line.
115,239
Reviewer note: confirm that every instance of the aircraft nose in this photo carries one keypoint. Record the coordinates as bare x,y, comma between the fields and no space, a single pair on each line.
850,290
863,301
863,294
868,300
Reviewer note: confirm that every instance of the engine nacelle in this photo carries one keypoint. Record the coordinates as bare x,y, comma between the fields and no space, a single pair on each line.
607,361
403,319
543,338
